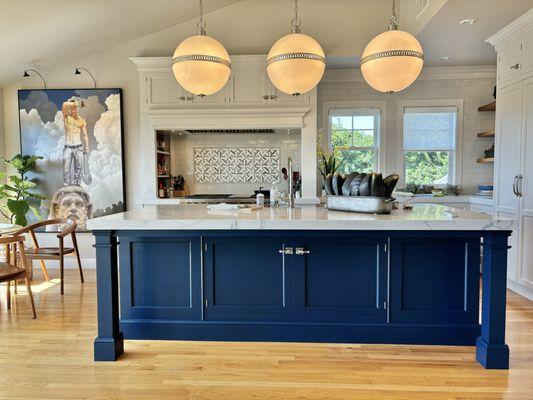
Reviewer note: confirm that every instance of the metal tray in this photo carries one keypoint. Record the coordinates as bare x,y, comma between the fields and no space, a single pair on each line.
360,204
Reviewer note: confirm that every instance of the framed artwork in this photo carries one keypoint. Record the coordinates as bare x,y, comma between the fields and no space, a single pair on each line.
79,134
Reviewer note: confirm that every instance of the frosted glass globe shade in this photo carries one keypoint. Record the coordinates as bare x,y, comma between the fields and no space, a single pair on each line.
296,63
201,65
392,61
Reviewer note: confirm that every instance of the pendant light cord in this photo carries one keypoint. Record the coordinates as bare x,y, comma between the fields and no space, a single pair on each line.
201,22
393,23
296,21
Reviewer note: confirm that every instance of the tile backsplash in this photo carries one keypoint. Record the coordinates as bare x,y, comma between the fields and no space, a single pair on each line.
236,163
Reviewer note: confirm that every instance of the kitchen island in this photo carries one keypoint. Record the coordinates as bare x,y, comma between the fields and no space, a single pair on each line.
302,274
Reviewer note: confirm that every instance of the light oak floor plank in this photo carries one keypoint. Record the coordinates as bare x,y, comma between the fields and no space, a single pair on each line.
51,358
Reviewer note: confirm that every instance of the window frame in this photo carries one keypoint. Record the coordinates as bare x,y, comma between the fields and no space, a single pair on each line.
455,169
354,108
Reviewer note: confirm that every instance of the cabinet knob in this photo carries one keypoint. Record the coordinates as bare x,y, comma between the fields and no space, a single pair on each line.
182,98
301,251
266,97
516,66
286,251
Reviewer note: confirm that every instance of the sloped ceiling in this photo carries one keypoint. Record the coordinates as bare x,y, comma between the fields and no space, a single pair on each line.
47,34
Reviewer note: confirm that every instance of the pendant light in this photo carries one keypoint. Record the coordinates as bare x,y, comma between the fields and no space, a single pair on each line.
200,63
296,62
392,60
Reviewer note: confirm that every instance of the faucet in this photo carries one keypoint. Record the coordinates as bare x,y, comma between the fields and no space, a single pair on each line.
291,183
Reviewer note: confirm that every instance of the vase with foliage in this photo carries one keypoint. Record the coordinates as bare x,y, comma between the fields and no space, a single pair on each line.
18,194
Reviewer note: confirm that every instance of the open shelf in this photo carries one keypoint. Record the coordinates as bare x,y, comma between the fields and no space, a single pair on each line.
488,107
486,133
485,160
166,153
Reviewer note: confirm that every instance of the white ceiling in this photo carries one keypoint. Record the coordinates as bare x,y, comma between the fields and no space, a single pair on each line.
49,33
465,44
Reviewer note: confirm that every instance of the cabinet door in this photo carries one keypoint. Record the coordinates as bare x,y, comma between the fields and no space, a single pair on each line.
248,87
434,280
341,280
216,99
160,278
525,270
246,279
526,184
508,142
162,90
508,64
526,58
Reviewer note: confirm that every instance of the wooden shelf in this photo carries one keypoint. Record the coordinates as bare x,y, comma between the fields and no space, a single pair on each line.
163,176
488,107
166,153
486,133
485,160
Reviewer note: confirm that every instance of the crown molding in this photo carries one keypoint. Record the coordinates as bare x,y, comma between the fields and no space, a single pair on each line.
513,31
428,73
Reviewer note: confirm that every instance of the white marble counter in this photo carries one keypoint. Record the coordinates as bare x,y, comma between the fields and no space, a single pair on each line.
423,217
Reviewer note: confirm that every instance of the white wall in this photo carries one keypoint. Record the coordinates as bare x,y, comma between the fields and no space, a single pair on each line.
472,85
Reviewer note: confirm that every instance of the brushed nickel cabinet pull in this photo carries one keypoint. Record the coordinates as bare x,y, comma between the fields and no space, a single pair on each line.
300,251
287,251
516,66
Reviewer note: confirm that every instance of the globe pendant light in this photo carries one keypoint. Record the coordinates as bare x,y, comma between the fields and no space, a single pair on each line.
296,62
392,60
200,63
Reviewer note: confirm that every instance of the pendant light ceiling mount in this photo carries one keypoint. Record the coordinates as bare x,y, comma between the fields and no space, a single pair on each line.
200,63
296,62
392,60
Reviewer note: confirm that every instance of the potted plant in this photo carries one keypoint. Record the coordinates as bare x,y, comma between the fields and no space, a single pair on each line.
328,165
18,193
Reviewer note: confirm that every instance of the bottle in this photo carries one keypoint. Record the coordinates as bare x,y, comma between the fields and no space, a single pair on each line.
260,200
273,195
162,191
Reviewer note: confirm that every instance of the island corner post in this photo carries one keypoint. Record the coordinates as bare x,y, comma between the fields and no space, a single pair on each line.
376,324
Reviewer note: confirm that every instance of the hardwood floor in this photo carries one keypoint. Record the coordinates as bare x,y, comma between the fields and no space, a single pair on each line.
51,358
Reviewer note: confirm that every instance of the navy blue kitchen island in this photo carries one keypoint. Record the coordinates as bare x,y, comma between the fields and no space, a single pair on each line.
303,274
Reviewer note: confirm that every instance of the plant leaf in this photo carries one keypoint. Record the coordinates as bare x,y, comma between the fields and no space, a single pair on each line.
19,209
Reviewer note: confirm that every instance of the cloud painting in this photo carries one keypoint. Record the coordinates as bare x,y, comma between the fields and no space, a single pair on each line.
79,135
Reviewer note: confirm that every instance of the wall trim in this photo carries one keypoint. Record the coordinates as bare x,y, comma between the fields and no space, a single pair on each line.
428,73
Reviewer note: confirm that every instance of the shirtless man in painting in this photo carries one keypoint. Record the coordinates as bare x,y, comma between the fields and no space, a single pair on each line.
76,144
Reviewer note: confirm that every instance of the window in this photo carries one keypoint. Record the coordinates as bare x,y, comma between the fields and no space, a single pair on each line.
429,145
354,135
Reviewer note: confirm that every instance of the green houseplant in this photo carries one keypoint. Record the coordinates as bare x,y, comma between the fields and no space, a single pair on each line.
17,195
328,165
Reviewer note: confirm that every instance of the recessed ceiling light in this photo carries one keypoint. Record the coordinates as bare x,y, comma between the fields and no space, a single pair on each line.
468,21
444,58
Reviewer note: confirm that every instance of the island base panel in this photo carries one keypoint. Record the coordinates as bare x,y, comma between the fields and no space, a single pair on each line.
400,287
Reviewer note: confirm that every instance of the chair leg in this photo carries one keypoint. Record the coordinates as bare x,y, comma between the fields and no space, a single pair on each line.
8,295
62,273
28,287
75,244
45,271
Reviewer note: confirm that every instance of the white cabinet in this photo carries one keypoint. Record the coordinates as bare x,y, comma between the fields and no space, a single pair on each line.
507,143
513,184
508,64
249,87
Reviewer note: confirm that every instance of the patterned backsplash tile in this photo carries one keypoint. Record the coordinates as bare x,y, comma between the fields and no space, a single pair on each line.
237,165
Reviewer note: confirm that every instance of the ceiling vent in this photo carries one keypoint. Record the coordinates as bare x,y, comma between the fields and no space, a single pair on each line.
249,131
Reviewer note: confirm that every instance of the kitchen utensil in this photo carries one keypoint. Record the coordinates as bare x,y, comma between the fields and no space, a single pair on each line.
348,182
366,183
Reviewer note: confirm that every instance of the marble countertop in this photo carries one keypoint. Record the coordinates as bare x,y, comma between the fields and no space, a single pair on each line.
423,217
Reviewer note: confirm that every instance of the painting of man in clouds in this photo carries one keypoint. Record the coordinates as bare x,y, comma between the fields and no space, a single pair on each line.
78,132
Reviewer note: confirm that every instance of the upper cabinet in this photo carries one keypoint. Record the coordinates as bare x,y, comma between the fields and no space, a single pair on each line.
514,45
248,86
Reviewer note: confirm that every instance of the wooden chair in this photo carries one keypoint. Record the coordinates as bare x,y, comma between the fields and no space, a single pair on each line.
11,271
53,253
